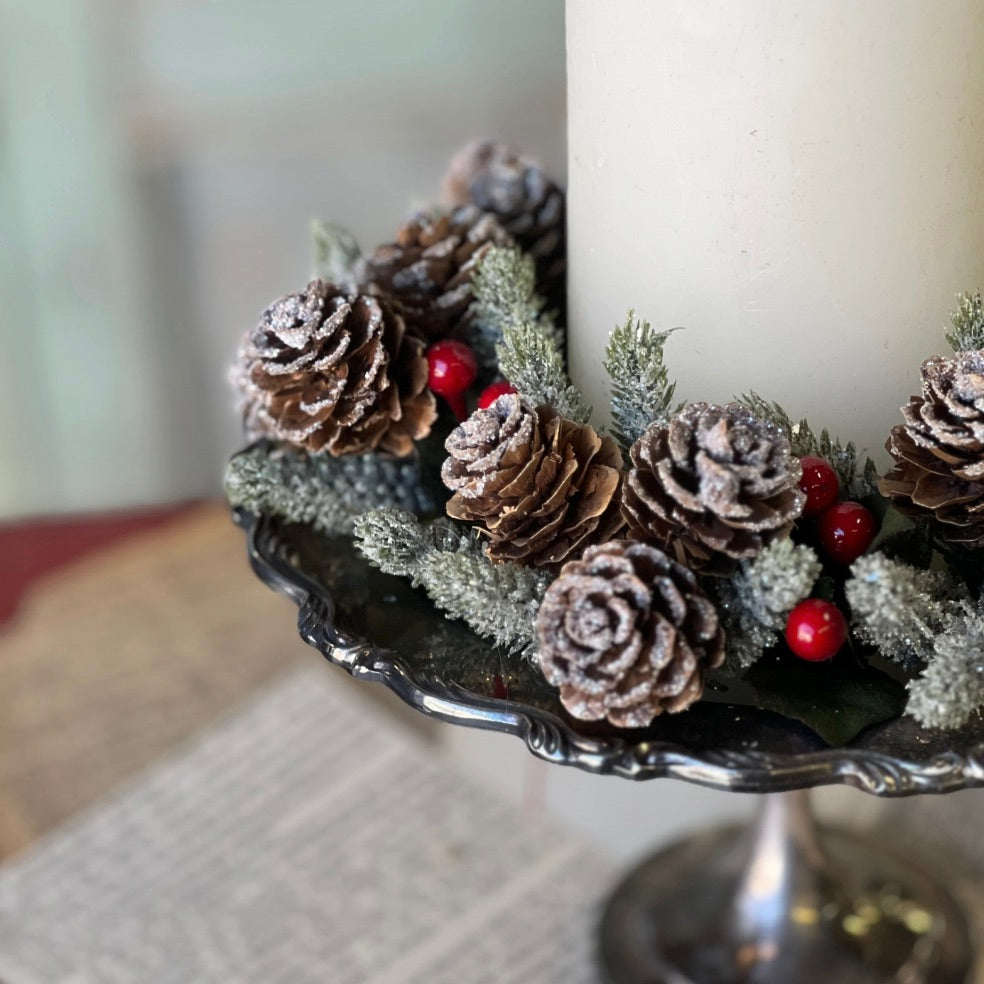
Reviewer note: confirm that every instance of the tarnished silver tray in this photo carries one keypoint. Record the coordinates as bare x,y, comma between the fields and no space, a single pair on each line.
379,628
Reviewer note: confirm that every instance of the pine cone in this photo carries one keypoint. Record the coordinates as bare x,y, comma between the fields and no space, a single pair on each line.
430,266
939,449
541,486
715,485
529,206
626,634
328,370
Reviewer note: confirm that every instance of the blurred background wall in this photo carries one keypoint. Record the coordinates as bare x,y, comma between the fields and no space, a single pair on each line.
160,161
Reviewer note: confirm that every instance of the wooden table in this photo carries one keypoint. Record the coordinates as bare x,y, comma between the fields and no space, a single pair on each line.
116,659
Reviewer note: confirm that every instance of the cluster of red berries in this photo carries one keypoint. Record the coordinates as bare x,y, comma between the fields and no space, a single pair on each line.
816,629
451,370
845,529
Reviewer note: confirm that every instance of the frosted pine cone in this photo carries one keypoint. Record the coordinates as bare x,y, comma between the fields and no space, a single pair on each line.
541,486
329,370
431,264
626,633
715,485
528,204
939,449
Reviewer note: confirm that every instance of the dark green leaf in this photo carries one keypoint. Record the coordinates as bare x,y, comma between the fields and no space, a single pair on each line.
826,588
837,700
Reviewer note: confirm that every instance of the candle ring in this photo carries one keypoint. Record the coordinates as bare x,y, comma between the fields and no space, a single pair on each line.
416,399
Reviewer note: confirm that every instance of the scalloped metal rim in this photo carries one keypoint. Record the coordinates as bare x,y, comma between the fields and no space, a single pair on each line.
552,739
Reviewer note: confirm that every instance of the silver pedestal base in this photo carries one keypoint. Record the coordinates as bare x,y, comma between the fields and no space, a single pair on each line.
781,903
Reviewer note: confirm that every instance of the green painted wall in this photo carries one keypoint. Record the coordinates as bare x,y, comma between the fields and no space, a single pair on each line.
158,161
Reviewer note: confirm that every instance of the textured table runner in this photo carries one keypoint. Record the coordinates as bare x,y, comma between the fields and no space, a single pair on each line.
307,839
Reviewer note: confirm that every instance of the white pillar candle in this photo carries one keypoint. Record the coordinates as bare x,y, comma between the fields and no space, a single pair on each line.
798,183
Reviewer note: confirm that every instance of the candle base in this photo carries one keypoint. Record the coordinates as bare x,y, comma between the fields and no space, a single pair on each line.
783,901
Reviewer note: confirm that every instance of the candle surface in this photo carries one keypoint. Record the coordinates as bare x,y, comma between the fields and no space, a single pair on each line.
799,184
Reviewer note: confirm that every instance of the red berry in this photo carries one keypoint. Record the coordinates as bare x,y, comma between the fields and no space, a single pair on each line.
451,369
815,630
820,484
492,393
846,531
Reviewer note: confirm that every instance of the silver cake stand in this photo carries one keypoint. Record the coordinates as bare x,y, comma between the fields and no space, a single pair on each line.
780,902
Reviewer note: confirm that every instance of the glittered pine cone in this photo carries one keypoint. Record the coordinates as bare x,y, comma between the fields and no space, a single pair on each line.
542,487
330,370
626,633
528,204
715,485
939,450
429,267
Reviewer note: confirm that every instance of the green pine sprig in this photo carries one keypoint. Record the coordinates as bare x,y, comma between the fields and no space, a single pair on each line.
754,603
900,610
526,340
534,365
325,492
642,393
395,541
922,619
967,324
448,561
336,253
505,295
951,688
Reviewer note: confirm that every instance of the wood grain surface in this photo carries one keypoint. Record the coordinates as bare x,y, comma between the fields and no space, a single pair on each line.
32,548
110,663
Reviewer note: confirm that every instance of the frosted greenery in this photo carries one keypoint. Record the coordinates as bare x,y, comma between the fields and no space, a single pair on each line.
642,392
526,341
754,603
922,618
336,253
534,365
325,492
446,559
899,610
857,481
951,688
395,540
505,295
967,324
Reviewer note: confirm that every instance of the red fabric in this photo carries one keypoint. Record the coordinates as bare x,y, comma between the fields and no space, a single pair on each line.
30,549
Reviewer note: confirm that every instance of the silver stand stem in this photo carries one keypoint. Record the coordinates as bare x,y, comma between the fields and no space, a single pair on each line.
782,902
786,880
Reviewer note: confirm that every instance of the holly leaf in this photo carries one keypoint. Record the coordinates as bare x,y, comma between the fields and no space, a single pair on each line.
825,588
836,699
903,538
